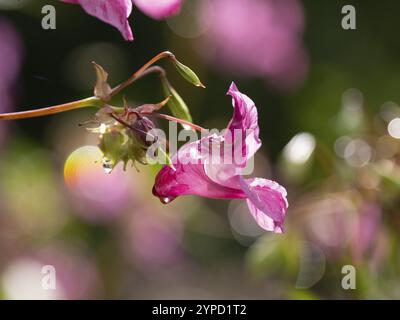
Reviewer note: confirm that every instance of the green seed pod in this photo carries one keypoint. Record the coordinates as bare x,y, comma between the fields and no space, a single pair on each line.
188,74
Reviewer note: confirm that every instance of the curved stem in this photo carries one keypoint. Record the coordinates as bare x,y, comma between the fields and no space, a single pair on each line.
88,102
141,71
152,69
171,118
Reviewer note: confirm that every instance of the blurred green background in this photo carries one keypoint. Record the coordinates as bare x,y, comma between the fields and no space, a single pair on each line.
330,136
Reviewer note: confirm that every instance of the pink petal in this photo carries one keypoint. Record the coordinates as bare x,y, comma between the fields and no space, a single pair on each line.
188,177
159,9
114,12
267,203
241,139
245,119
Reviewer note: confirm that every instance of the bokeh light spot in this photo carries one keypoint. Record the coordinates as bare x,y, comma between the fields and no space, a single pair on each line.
106,193
300,148
394,128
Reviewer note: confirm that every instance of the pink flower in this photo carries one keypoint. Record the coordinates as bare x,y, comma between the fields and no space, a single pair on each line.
117,12
196,171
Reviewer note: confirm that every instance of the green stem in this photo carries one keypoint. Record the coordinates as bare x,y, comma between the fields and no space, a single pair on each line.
84,103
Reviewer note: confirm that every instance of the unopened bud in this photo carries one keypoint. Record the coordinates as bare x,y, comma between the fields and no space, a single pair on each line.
141,128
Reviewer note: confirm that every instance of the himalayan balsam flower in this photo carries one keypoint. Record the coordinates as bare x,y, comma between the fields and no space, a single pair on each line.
117,12
212,177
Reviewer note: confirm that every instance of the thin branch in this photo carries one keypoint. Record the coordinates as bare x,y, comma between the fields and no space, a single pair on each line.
88,102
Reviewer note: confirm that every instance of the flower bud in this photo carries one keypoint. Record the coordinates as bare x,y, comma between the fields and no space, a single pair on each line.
140,129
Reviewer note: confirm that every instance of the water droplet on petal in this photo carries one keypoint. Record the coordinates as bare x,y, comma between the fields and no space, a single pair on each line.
165,200
107,165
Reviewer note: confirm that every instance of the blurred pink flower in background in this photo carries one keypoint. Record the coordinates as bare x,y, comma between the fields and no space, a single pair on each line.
341,226
212,176
367,231
154,239
256,38
117,12
330,222
11,54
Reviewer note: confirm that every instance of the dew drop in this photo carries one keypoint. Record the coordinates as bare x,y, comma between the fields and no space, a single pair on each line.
107,165
165,200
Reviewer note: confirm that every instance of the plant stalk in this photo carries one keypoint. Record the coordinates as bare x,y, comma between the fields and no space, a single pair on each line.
88,102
